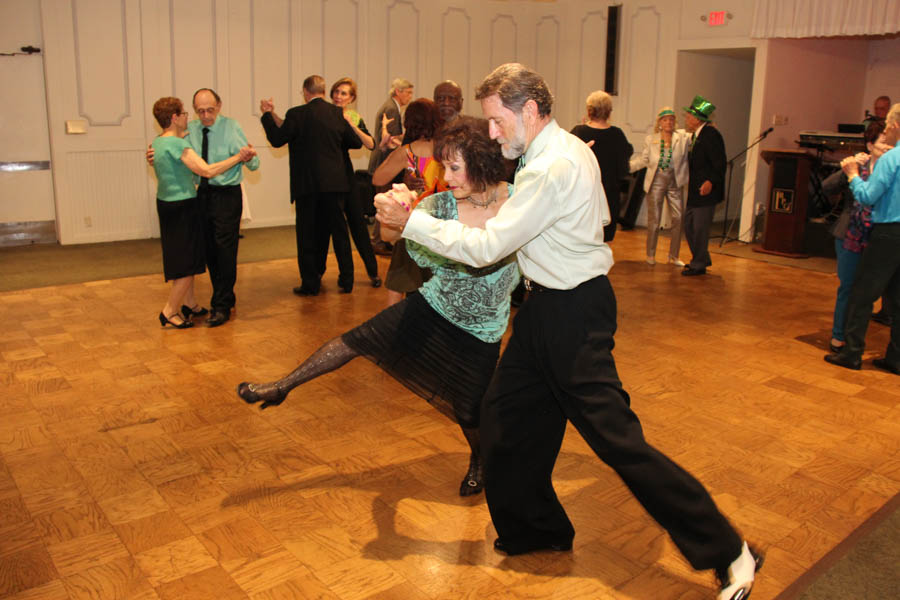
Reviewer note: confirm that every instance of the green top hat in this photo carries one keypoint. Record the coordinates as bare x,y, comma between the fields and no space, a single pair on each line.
701,108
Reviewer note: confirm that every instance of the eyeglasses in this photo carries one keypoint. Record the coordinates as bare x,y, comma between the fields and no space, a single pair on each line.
206,111
183,113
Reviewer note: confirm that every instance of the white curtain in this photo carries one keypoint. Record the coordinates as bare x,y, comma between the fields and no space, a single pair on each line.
824,18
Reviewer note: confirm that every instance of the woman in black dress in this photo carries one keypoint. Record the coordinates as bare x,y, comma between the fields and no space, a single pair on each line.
612,150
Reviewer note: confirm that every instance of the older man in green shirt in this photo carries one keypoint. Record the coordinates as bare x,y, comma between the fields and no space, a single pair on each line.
216,137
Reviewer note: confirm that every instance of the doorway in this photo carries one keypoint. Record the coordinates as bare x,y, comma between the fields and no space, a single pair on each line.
724,76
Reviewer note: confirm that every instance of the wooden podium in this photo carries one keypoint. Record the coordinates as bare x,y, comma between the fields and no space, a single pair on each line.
788,201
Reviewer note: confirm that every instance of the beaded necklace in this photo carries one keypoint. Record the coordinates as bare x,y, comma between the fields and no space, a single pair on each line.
665,157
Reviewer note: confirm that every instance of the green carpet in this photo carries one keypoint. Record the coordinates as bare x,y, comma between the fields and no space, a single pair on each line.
866,566
39,265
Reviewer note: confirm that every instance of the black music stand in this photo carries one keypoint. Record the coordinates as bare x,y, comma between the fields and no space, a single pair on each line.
726,226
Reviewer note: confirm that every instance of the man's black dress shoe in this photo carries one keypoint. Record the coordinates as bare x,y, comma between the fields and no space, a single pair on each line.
882,363
689,271
376,281
515,549
302,291
218,317
842,360
196,311
345,289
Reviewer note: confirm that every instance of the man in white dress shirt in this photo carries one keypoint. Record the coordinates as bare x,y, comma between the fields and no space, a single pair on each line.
558,364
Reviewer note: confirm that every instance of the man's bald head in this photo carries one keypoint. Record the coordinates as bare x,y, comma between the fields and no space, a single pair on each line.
449,100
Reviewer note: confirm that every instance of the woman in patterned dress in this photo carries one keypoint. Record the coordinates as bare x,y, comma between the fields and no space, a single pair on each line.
442,343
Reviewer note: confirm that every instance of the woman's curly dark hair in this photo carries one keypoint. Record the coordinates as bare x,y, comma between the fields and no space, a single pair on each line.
421,120
469,136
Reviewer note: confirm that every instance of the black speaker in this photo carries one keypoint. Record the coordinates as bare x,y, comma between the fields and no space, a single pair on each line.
611,78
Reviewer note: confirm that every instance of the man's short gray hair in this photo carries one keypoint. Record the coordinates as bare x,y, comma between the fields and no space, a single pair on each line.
516,84
400,84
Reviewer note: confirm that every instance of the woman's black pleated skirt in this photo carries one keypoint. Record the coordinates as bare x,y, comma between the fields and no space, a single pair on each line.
181,233
445,365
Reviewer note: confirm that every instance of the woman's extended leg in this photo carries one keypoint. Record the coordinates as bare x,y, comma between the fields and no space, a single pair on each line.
332,355
473,482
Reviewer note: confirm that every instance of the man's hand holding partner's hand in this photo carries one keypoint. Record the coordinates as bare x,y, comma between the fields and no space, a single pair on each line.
393,206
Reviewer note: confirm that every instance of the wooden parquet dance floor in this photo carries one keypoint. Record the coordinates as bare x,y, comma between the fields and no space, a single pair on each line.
129,469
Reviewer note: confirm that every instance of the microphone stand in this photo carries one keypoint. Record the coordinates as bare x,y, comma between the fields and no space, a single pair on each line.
726,226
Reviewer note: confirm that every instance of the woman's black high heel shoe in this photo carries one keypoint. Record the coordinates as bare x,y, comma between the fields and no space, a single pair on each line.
473,482
163,320
270,397
196,311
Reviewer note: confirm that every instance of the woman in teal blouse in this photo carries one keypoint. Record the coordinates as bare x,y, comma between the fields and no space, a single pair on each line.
442,343
180,224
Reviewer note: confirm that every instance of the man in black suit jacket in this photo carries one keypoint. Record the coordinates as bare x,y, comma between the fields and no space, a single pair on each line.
706,182
318,137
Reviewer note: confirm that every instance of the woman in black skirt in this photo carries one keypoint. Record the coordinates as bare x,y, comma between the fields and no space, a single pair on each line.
442,343
180,224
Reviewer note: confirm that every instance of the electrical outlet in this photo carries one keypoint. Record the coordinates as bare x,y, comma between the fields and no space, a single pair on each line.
779,120
87,222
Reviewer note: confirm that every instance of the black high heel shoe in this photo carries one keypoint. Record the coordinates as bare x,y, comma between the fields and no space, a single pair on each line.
196,311
473,482
163,320
270,397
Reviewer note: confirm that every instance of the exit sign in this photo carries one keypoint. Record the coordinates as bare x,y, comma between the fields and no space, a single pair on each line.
716,17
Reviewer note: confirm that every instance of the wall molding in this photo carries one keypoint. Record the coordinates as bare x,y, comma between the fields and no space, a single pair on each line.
515,30
387,39
468,45
82,111
642,123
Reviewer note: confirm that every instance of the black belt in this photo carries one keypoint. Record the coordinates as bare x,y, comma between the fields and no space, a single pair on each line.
533,286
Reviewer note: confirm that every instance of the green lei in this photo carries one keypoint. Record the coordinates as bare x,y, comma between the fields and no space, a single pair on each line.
665,158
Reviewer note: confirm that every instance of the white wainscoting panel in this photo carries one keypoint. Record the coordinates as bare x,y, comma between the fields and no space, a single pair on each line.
504,39
194,56
101,61
341,22
591,63
104,195
456,48
270,48
547,44
642,65
403,41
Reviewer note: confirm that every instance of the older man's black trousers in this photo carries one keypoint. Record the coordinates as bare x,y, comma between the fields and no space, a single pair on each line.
558,366
222,209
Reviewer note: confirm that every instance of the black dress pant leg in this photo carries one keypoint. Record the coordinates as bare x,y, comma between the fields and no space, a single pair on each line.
332,210
697,224
359,231
522,429
569,337
223,222
878,273
307,229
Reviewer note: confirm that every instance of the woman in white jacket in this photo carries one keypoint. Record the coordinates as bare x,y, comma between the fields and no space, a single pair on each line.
665,156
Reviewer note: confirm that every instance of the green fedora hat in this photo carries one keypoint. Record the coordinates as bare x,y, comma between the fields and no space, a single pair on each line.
701,108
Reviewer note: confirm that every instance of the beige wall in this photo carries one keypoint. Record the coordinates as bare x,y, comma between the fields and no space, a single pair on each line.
106,61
